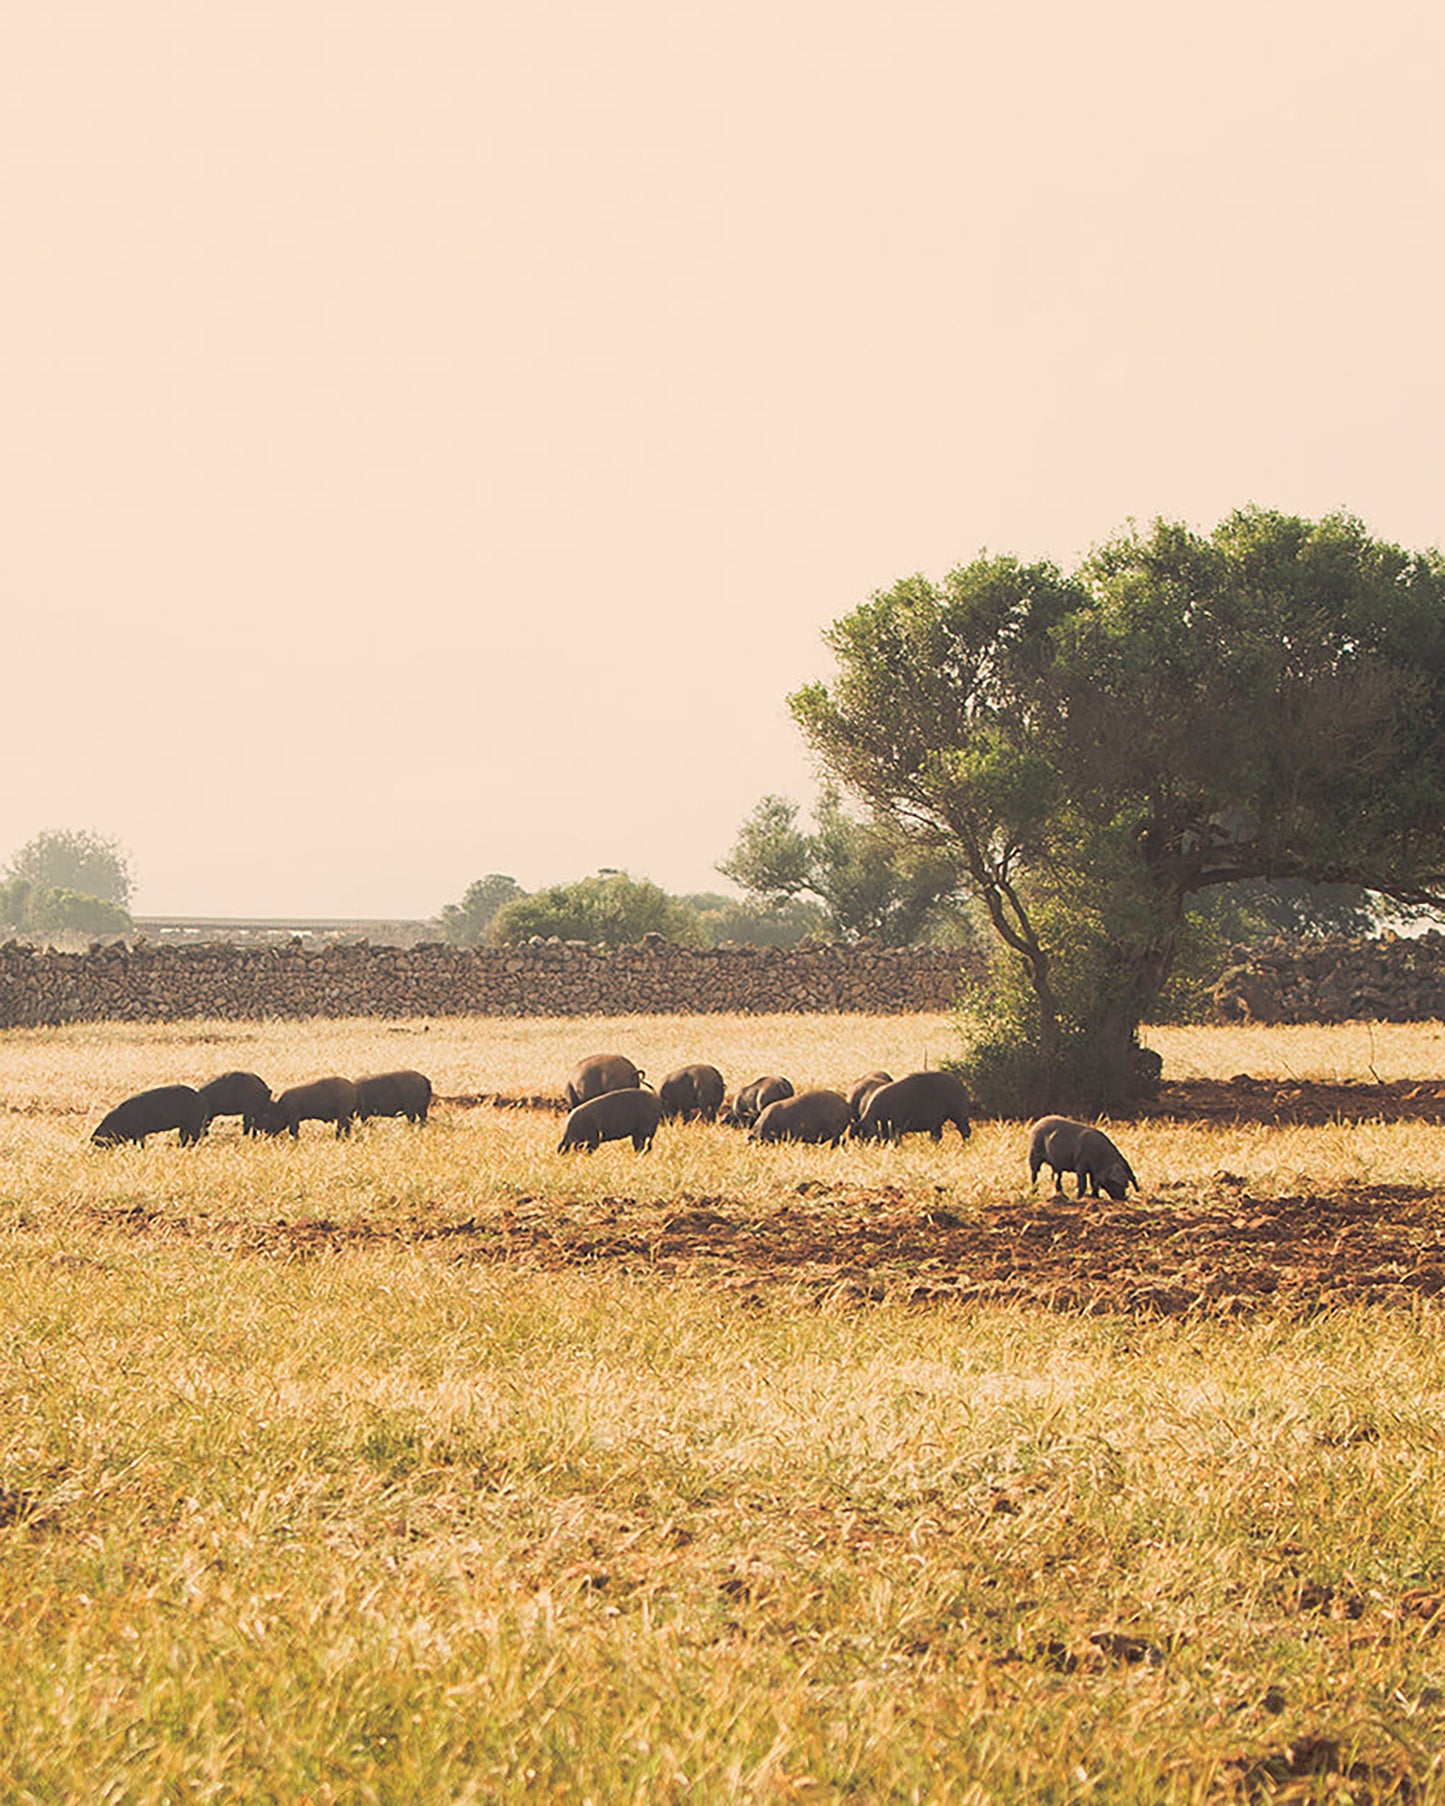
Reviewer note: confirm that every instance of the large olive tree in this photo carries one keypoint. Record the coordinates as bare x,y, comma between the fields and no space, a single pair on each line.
1094,749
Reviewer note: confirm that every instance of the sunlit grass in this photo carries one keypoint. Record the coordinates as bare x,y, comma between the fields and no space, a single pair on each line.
468,1162
1332,1052
57,1083
399,1528
84,1065
389,1523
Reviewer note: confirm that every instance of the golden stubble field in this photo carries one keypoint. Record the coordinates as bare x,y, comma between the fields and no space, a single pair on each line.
436,1466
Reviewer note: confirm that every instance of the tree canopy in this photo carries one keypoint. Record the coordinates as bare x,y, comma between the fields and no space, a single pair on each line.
610,908
1184,711
466,924
870,883
763,922
35,909
76,859
614,908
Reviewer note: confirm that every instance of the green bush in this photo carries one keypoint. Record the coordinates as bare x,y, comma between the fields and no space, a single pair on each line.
784,924
15,902
469,923
609,909
54,909
1008,1076
77,860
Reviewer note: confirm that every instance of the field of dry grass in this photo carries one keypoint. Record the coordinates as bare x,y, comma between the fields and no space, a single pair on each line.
59,1082
437,1466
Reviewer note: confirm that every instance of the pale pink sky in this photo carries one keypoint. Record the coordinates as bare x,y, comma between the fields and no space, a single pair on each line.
436,435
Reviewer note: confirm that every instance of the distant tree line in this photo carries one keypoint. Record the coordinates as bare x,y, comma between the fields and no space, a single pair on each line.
842,878
613,909
847,879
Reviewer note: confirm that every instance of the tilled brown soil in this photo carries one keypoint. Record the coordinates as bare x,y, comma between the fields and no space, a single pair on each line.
1290,1101
1224,1253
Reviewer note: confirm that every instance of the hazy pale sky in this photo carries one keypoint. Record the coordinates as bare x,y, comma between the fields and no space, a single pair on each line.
435,435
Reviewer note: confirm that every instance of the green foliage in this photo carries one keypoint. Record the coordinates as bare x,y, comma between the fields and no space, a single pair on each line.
466,924
1256,910
53,909
782,924
1096,751
76,859
1007,1075
771,857
36,909
15,902
1249,912
610,909
67,881
614,909
868,881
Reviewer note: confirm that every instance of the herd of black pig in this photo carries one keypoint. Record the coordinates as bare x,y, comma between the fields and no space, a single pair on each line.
608,1099
192,1109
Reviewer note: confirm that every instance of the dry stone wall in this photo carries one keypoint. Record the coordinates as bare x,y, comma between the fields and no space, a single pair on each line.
553,978
1390,980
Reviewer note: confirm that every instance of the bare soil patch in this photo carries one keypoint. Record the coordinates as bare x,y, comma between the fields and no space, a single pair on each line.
1227,1253
1224,1253
1294,1102
501,1100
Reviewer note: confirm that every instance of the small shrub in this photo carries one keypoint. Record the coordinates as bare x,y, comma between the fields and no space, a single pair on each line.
1008,1076
610,909
53,909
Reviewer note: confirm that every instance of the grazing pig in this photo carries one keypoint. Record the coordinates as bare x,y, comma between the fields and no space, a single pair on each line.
240,1094
613,1117
323,1100
152,1113
753,1099
862,1089
809,1116
920,1103
405,1094
1076,1147
600,1073
691,1092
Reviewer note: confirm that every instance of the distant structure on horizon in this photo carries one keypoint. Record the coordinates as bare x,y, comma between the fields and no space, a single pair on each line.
271,931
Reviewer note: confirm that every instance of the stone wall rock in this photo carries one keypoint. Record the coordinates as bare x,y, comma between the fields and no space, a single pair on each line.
146,983
1393,979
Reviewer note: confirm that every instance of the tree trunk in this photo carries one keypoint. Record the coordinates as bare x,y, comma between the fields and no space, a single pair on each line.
1129,1073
